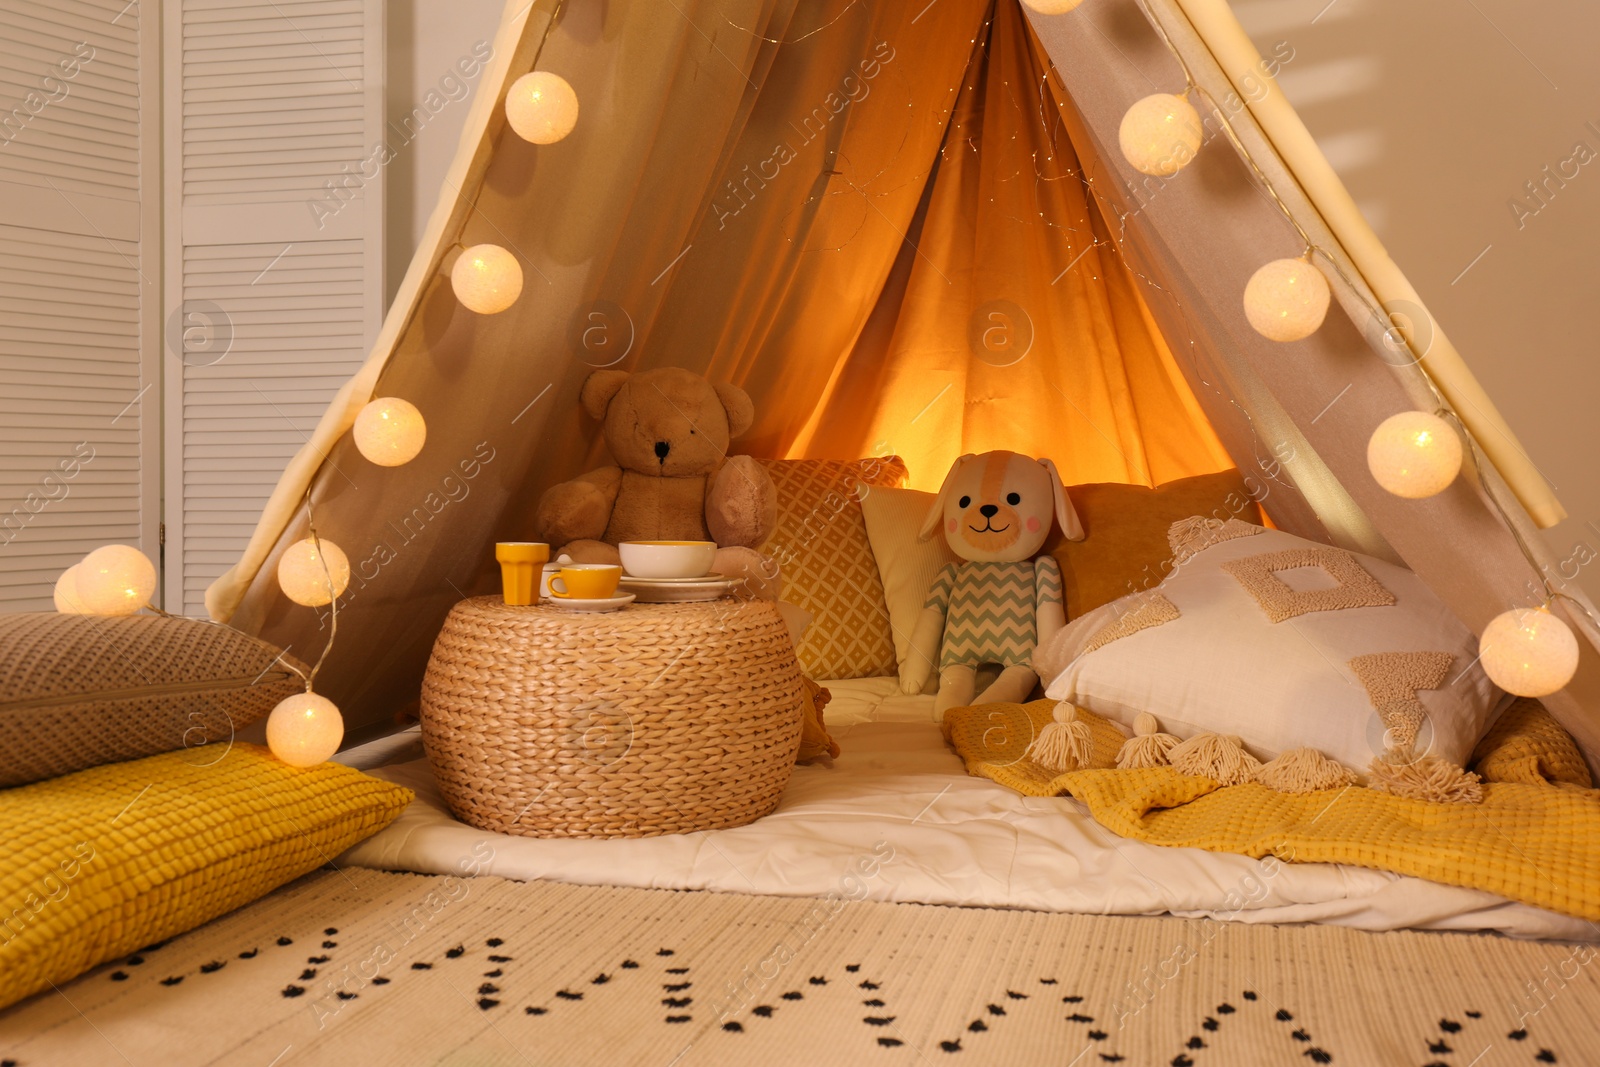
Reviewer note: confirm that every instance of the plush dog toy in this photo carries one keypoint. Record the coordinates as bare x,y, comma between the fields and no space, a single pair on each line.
668,430
1002,603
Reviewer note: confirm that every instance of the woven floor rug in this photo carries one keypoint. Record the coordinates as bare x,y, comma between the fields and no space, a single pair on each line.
362,967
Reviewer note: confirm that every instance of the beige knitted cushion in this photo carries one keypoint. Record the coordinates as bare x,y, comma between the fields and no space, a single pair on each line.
77,691
828,569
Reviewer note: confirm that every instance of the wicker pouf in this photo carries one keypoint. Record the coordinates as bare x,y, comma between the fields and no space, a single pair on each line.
656,719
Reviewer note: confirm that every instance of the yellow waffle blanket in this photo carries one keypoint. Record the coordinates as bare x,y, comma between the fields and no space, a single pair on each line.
1534,838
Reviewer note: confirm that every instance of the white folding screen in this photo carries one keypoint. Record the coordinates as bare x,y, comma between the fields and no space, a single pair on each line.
80,312
274,276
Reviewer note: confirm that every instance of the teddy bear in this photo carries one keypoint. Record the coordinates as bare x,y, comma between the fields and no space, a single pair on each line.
1002,601
668,430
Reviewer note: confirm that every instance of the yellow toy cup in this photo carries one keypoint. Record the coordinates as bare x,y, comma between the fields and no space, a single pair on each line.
586,581
520,565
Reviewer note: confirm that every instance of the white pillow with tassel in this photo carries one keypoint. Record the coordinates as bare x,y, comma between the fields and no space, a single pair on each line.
1282,644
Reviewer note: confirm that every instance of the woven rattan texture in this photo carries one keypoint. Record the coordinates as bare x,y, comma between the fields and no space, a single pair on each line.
77,691
102,862
657,719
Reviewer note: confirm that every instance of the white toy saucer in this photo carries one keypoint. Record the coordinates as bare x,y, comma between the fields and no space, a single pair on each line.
610,603
676,591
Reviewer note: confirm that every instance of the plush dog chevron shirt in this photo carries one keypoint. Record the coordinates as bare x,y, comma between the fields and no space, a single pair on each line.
990,610
1004,600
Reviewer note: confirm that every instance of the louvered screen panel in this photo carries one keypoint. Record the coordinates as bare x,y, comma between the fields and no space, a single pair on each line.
276,99
79,308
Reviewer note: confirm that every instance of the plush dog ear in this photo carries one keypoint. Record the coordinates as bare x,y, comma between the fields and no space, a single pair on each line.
737,403
1066,514
599,389
936,513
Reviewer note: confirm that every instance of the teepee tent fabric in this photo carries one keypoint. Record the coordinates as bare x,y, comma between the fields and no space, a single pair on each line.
767,191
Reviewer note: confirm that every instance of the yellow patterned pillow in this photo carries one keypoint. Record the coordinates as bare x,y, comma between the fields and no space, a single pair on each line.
104,861
828,569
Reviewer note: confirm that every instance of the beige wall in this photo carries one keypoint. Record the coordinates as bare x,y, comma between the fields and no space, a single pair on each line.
1436,113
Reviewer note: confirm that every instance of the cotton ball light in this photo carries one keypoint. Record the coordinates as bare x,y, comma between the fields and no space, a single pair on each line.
303,572
305,729
1414,454
542,107
1528,652
1052,7
1287,299
66,593
115,580
487,279
1160,134
390,431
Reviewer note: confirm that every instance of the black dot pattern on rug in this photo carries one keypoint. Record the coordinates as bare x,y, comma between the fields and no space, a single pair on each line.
1079,1017
1546,1056
1249,995
342,995
600,979
285,941
119,976
1474,1014
173,980
495,942
763,1010
534,1011
1047,981
676,1002
677,987
1180,1060
485,1003
733,1027
318,959
1014,995
852,968
1110,1057
1098,1035
212,967
1300,1035
1196,1042
677,970
380,980
487,988
794,994
330,931
330,944
455,953
977,1026
499,959
630,965
868,985
567,994
134,961
890,1042
249,955
679,1018
420,966
292,991
1450,1026
1226,1009
872,1002
308,974
1439,1048
664,952
496,973
817,980
950,1046
1518,1035
1316,1055
995,1009
1282,1016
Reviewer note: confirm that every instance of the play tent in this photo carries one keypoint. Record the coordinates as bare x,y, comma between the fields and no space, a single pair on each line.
902,228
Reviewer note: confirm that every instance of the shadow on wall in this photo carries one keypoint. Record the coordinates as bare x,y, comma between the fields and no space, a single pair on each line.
1467,133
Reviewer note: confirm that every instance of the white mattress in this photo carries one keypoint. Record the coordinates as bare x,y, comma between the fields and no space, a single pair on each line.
898,790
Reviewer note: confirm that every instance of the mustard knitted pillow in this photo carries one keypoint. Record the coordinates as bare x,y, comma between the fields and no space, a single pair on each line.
104,861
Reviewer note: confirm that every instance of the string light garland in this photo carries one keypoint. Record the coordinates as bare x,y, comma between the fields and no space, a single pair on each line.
1160,134
1414,454
115,580
542,107
1548,623
1528,652
313,572
390,431
1287,299
65,593
486,279
307,728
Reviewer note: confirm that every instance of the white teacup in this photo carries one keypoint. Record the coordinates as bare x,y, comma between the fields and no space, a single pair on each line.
668,559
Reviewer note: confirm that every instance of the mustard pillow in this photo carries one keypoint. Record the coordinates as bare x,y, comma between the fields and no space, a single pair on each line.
821,544
1125,549
104,861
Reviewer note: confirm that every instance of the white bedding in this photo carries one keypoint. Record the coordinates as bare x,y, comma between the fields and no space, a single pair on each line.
898,791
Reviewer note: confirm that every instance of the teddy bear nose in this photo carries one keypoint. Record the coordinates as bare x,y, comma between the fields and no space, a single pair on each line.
990,510
662,448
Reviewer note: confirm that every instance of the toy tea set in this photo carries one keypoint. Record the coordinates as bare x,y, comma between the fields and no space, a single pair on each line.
651,572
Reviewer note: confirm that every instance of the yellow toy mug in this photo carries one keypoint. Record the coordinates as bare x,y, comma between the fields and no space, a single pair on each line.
520,563
586,581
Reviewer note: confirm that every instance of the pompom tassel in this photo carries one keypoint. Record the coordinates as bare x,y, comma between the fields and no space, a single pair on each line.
1222,759
1430,778
1148,747
1304,770
1065,744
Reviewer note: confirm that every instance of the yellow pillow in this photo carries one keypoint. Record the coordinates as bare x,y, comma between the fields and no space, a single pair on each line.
101,862
906,565
1125,548
821,544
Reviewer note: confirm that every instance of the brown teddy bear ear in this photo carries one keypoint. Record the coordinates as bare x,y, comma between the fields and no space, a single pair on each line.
737,403
598,389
